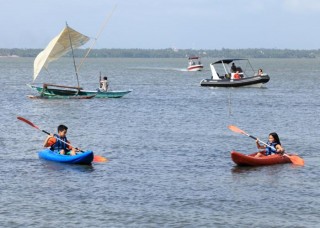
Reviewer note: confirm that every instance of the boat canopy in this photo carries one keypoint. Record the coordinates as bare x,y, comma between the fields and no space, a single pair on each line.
227,61
221,66
58,47
194,57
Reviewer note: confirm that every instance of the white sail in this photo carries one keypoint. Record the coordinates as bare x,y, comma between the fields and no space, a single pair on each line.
58,47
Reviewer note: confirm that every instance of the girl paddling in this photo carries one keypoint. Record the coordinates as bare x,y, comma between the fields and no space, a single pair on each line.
273,148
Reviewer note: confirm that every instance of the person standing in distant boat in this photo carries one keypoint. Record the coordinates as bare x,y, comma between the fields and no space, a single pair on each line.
104,84
55,144
274,143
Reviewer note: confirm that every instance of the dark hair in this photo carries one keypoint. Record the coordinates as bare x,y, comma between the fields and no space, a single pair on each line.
276,137
62,128
105,78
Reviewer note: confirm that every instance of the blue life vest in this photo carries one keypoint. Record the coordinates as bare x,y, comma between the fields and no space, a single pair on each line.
59,145
269,150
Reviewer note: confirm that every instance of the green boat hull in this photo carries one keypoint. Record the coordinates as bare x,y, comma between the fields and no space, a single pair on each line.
53,92
107,94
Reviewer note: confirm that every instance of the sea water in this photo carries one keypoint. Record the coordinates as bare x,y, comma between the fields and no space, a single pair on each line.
168,147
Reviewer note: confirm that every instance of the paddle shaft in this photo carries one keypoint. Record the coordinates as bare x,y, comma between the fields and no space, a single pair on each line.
96,158
60,140
44,131
255,138
296,160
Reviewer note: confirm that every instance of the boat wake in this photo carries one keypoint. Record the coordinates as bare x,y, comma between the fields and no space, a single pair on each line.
158,68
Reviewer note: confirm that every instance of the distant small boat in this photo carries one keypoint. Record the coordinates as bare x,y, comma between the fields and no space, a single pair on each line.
236,76
194,63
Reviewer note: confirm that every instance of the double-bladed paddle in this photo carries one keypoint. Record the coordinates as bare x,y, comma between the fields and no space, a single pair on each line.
295,159
96,158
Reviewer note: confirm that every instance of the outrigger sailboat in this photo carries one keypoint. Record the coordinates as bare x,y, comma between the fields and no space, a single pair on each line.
66,41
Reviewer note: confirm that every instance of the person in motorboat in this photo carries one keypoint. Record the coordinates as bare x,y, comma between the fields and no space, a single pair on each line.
273,148
57,145
236,75
233,68
260,72
104,84
239,69
191,63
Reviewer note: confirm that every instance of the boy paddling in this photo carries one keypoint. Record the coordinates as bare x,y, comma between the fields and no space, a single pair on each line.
61,144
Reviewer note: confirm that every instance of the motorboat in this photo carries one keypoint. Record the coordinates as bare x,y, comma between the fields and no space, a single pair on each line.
240,73
194,63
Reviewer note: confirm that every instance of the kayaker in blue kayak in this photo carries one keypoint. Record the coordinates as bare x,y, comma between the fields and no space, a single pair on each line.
57,145
273,141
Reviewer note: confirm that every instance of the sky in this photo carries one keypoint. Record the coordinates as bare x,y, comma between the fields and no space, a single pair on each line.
153,24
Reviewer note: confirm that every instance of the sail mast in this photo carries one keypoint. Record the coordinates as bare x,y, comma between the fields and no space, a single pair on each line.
98,35
74,61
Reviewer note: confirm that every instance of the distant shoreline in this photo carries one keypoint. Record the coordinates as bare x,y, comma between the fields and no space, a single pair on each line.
173,53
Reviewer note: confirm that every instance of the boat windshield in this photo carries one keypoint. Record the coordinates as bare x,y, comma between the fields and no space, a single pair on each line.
195,60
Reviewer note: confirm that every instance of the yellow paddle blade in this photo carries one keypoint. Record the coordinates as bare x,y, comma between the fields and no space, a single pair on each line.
296,160
97,158
235,129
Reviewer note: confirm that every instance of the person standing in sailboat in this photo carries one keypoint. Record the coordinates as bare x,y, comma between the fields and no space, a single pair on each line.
104,84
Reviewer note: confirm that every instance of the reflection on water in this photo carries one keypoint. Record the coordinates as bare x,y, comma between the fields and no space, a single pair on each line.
245,169
56,166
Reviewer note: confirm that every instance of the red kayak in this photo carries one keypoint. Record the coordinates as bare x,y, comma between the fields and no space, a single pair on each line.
250,160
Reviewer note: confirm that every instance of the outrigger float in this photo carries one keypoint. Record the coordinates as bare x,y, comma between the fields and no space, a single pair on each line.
68,40
236,76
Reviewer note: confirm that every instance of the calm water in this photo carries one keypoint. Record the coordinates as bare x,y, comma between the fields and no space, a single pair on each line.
168,146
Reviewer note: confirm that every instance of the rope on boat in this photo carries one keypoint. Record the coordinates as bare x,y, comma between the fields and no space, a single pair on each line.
98,35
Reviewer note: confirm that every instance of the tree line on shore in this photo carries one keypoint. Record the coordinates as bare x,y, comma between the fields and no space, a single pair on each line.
174,53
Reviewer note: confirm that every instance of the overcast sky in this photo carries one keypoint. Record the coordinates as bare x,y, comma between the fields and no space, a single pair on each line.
157,24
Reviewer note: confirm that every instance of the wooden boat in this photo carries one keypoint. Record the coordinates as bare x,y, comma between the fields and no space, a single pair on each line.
51,90
194,64
223,77
250,160
66,41
84,158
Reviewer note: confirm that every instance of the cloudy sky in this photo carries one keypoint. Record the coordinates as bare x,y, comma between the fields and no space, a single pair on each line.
153,24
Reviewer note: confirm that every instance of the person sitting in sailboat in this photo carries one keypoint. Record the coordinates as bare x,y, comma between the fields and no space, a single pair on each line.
104,84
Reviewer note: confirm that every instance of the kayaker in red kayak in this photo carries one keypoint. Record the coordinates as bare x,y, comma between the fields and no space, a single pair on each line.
54,144
274,142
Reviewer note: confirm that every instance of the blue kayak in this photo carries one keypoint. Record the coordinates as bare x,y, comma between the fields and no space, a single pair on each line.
84,158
